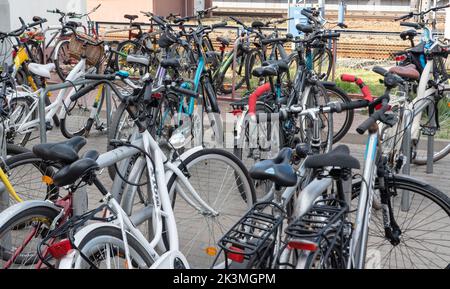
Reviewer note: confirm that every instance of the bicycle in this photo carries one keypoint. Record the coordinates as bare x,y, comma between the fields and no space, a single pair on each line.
430,83
165,194
60,54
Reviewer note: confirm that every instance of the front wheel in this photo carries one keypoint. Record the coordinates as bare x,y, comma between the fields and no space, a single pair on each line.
221,181
422,213
104,248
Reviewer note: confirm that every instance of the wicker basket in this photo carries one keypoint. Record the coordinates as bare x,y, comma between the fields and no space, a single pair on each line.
78,48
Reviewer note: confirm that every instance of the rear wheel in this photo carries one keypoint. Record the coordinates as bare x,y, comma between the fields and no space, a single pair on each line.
26,229
64,63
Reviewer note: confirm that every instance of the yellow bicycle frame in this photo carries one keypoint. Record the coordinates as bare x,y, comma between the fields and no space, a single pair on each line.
19,60
9,187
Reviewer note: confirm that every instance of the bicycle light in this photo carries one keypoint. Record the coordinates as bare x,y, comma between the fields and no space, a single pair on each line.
236,257
60,249
303,245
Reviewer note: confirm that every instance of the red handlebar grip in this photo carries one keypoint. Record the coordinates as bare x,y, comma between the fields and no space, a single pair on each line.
254,97
348,78
366,93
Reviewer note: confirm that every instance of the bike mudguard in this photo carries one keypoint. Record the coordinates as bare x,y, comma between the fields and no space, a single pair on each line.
18,208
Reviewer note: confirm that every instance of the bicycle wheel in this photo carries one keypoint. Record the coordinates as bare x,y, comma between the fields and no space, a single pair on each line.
221,181
105,248
25,173
316,97
342,122
226,78
441,138
423,220
322,62
20,107
327,256
122,126
25,229
259,143
130,47
254,59
77,120
36,53
64,63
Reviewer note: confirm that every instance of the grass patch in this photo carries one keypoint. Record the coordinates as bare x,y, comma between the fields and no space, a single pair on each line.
370,78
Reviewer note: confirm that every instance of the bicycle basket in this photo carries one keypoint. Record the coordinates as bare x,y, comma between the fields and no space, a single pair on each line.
80,46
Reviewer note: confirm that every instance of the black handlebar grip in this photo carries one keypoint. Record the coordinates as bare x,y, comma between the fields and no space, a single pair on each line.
83,91
148,92
158,20
379,70
354,104
409,15
100,76
304,28
371,120
219,25
184,91
333,35
362,128
410,24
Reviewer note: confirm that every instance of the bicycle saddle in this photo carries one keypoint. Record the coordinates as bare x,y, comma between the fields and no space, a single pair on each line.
224,41
338,157
170,63
70,173
281,64
304,28
138,59
409,71
36,19
408,34
277,170
130,17
265,71
74,24
257,24
42,70
65,152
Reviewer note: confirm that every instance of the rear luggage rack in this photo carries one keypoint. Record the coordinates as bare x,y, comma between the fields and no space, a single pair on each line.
322,228
248,243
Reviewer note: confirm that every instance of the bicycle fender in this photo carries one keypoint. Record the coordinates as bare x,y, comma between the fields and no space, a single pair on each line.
18,208
171,260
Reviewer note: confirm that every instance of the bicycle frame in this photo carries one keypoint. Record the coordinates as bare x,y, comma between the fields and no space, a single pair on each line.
358,243
63,98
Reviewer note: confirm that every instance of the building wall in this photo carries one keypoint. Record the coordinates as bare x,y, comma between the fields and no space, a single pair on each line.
114,10
11,10
362,5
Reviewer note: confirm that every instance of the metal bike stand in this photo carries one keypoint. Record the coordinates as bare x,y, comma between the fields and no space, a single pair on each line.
42,104
108,95
430,145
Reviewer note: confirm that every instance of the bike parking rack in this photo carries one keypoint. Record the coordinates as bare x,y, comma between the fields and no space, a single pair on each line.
66,84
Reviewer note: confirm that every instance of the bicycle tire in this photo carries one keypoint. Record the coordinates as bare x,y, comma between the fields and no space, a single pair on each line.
437,198
108,235
246,195
43,215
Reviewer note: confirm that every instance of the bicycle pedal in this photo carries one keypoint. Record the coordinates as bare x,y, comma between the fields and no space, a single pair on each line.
48,125
101,127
